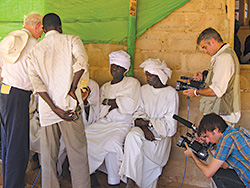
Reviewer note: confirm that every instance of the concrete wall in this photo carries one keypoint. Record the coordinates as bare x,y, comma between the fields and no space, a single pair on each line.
174,40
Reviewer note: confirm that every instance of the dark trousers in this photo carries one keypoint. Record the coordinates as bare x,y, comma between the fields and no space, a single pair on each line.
227,178
14,112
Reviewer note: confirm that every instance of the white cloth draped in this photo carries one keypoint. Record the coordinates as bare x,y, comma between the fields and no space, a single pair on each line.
143,160
108,133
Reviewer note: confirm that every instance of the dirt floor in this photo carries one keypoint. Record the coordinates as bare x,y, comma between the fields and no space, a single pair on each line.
32,176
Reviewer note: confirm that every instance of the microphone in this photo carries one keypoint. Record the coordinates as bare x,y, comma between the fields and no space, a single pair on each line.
185,122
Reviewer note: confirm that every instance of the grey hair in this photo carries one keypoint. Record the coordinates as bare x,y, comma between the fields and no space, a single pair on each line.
32,19
208,34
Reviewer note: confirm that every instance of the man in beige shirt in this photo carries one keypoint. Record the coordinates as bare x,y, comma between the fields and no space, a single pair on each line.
55,67
14,99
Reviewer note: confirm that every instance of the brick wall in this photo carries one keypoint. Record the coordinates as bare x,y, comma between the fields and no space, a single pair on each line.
174,40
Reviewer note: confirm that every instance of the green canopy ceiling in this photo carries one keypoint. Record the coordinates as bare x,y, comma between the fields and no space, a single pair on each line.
101,21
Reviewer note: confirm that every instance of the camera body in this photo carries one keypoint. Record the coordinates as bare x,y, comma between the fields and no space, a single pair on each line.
189,84
200,150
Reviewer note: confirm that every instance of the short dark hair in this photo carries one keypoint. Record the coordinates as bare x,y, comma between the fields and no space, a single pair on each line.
51,21
209,122
208,34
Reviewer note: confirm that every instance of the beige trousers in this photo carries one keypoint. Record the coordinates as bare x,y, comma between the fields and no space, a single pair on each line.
74,137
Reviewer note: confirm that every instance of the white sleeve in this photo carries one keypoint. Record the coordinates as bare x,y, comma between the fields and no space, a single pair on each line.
223,71
93,101
167,126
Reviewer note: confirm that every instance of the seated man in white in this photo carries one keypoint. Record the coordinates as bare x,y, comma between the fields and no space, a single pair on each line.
148,144
120,99
90,114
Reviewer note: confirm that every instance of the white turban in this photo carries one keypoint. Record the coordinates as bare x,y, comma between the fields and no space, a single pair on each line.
120,58
156,67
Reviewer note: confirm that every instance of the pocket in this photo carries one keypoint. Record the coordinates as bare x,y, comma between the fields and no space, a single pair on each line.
210,104
5,89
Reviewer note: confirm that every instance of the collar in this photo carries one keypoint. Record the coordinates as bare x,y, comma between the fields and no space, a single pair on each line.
220,51
27,31
51,32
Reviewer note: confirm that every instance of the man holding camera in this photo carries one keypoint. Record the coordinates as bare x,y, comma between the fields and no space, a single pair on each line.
222,92
233,150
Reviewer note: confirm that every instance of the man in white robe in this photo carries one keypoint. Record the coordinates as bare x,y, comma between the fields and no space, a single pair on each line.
148,144
120,99
90,114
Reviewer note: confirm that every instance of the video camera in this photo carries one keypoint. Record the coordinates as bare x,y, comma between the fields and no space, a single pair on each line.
200,150
191,83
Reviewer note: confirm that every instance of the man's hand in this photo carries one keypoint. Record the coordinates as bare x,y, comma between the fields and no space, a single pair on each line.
143,124
198,76
111,102
85,93
148,134
65,115
188,152
189,92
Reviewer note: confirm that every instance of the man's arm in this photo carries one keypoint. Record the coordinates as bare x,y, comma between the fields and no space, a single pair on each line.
203,92
111,102
224,165
66,115
143,124
76,78
208,170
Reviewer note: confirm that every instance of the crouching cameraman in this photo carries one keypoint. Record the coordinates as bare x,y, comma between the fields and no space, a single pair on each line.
230,165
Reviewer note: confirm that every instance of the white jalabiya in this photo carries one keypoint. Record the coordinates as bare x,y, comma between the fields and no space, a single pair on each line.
93,101
108,133
143,160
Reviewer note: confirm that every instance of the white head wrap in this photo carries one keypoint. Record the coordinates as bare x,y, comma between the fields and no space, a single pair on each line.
156,67
120,58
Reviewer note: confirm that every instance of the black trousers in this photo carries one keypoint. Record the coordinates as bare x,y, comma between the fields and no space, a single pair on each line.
227,178
14,112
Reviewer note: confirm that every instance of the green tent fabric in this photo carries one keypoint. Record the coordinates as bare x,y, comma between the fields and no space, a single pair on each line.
99,21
